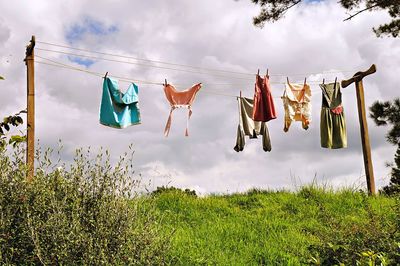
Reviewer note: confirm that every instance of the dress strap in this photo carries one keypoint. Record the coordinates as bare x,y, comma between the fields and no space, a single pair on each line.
187,121
168,125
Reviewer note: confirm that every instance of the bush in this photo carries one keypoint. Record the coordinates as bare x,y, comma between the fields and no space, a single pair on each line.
373,241
166,189
88,214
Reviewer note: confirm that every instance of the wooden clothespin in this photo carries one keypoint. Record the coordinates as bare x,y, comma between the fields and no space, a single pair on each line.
323,81
258,72
240,94
305,80
287,79
165,82
106,74
335,80
267,73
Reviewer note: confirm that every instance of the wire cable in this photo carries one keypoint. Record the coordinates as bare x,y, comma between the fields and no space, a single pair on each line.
181,65
147,60
56,63
123,79
143,65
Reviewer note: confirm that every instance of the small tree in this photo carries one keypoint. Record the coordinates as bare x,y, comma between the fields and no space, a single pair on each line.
388,113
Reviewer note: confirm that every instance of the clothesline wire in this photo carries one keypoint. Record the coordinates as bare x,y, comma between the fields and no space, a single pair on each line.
98,74
143,81
146,60
59,64
126,80
175,64
143,65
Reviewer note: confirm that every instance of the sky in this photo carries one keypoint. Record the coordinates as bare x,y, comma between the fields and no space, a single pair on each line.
310,41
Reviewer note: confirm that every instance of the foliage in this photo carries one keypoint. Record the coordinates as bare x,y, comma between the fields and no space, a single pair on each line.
279,228
273,10
388,113
166,189
373,240
1,78
88,214
5,126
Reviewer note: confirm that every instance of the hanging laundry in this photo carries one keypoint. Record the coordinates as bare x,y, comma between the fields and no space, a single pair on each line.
179,99
297,104
333,123
117,109
264,108
248,127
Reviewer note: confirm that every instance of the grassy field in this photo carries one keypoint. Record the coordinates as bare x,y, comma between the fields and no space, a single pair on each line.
312,226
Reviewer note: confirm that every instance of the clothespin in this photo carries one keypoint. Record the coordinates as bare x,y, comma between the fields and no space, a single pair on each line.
323,81
287,79
165,82
106,74
240,94
267,73
335,80
305,81
258,72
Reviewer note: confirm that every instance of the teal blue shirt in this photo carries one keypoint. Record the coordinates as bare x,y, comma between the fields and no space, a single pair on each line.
117,109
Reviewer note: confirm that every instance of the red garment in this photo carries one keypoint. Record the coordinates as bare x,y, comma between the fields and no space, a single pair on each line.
264,108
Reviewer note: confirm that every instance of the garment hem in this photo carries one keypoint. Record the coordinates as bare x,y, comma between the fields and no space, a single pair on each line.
120,127
334,147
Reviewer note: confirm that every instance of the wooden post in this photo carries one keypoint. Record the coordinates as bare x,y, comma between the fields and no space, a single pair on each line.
30,147
369,171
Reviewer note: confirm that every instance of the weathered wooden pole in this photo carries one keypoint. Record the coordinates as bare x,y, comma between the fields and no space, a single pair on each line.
369,171
30,146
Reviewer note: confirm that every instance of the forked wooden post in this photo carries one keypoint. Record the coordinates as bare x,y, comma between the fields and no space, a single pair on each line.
369,171
30,146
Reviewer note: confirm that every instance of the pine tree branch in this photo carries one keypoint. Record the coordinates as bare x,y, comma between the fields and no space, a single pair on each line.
360,11
295,3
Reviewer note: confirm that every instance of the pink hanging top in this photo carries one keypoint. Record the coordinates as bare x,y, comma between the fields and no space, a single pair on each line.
264,108
179,99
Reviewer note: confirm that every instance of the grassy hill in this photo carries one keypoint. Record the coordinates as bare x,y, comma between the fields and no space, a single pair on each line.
312,226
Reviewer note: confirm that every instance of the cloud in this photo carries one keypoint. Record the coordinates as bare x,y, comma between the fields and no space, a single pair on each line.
210,34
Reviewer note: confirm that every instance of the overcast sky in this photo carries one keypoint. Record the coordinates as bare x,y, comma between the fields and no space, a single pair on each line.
312,38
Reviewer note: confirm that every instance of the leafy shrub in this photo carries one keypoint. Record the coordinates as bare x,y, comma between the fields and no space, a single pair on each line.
88,214
166,189
5,126
374,241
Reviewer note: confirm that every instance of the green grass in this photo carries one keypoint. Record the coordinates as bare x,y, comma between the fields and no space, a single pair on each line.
271,228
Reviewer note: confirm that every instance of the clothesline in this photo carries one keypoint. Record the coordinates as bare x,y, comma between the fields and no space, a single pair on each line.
144,60
124,79
209,70
151,82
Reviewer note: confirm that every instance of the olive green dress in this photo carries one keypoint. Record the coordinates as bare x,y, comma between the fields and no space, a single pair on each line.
333,123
